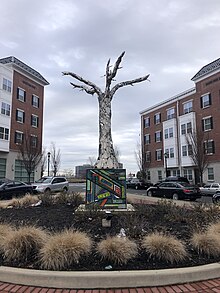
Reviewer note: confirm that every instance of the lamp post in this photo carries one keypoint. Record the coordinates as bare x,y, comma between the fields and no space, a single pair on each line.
165,157
48,163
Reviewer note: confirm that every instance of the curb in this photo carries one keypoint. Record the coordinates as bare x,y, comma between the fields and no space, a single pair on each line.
105,280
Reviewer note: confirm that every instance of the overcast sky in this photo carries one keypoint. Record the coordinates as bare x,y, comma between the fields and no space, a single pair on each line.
168,39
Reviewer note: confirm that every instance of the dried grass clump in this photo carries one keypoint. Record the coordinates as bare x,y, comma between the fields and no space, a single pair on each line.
64,249
118,250
214,228
206,243
164,247
24,244
24,201
74,198
5,229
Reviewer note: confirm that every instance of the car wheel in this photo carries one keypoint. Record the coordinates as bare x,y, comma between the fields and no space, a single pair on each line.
65,189
150,193
217,200
175,196
136,187
47,191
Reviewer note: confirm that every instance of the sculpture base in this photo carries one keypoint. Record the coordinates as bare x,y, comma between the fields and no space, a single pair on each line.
106,188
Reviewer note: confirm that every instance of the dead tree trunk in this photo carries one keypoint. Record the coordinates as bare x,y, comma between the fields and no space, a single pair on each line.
106,156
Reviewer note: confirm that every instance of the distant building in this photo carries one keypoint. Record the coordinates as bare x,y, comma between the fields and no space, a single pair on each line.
21,102
80,171
165,125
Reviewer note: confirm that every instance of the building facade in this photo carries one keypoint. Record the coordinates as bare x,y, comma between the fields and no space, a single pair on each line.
165,127
21,102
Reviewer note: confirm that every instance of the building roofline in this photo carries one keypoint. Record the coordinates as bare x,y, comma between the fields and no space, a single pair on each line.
21,65
207,69
170,100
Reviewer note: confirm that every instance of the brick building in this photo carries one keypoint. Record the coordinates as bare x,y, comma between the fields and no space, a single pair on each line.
164,128
21,102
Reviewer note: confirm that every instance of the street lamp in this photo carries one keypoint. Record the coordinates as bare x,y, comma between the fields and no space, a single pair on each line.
48,163
165,157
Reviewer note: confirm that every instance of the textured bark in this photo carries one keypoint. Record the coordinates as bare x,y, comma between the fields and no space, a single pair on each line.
106,157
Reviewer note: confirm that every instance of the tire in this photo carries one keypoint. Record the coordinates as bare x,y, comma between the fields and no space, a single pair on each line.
150,193
175,196
47,191
136,187
65,189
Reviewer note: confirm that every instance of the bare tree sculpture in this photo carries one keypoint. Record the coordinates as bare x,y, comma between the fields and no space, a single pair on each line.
106,154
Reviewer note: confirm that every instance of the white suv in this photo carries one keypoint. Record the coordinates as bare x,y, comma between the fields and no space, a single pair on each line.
51,184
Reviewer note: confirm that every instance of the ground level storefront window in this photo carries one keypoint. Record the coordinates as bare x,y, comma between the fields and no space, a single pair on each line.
21,173
2,168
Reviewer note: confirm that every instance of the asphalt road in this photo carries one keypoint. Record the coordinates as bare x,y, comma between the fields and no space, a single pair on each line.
81,187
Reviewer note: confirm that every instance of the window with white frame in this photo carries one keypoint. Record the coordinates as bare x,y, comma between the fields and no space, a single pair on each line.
187,150
170,113
207,123
4,133
148,175
184,150
168,132
6,86
19,137
171,132
159,175
186,128
169,153
159,155
176,172
211,176
158,136
209,146
35,101
147,122
20,116
21,95
148,156
34,120
147,139
188,173
5,109
187,107
34,141
157,118
206,100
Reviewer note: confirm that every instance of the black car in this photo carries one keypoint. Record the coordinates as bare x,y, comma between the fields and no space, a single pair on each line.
138,184
10,188
216,197
172,179
175,190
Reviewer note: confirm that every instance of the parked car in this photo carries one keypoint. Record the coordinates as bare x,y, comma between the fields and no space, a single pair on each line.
216,197
138,184
175,190
51,184
172,179
210,189
11,188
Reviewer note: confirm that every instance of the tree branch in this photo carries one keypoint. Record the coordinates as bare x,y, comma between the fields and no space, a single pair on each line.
116,67
96,89
88,90
129,82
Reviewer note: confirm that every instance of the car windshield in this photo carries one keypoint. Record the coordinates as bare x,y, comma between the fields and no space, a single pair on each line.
185,184
44,180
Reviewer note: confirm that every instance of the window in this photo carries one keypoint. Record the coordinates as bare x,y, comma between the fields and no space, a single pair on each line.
148,156
5,109
158,155
35,101
184,150
2,168
21,173
171,132
159,175
157,118
147,122
211,174
4,133
6,85
183,129
34,141
207,123
190,150
187,107
158,136
21,95
20,116
148,175
147,139
169,153
206,100
19,137
187,150
176,172
170,113
188,174
168,133
209,147
186,128
34,120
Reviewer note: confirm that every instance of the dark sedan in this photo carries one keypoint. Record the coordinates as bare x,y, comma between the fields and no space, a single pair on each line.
10,188
138,184
175,190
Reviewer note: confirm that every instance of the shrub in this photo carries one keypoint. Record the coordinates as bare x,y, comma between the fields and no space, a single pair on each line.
117,250
24,244
64,249
214,228
164,247
24,201
47,198
206,243
5,229
74,198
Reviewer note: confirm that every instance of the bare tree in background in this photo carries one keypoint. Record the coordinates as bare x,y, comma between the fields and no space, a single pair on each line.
55,158
197,152
106,155
141,162
92,161
29,153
